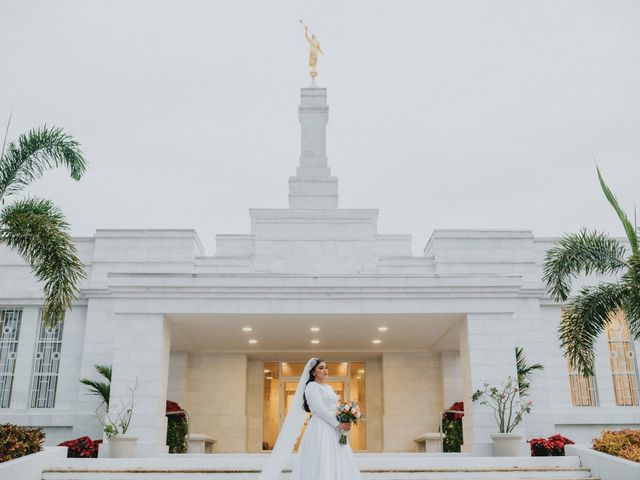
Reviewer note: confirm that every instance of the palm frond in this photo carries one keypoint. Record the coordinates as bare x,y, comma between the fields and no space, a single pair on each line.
6,134
100,389
104,370
629,228
580,253
36,229
631,306
36,151
525,371
585,318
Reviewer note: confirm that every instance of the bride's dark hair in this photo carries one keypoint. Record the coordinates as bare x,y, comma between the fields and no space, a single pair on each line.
312,377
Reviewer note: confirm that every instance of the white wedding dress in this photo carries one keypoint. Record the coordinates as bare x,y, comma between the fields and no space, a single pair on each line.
320,455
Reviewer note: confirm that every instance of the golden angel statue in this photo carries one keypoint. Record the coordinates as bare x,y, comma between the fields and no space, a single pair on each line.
314,49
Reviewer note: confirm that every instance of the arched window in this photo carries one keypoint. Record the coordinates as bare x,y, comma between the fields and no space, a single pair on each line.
623,361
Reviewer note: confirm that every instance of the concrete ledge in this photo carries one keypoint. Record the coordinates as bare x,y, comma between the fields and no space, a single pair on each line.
365,461
200,443
30,467
603,465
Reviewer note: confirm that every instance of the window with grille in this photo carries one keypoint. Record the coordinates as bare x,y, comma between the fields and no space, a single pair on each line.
46,363
583,389
623,361
9,333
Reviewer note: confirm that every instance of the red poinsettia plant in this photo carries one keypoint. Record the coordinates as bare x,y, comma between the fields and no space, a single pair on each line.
457,406
546,447
82,447
174,407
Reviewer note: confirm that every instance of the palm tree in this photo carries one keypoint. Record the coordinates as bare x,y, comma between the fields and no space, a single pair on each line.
588,313
100,388
35,227
525,372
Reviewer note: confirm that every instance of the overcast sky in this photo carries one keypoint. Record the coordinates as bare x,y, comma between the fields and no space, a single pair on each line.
443,114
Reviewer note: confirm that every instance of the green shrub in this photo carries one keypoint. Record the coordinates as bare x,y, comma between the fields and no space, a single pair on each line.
621,443
177,430
16,441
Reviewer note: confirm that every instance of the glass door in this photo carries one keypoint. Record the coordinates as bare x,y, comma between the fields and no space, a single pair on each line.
289,390
280,383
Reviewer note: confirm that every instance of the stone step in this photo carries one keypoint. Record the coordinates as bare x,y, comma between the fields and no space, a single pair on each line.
440,473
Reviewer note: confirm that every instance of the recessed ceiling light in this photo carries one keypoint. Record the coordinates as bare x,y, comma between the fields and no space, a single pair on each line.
247,329
267,371
315,341
269,378
359,378
376,341
315,329
383,329
253,340
361,370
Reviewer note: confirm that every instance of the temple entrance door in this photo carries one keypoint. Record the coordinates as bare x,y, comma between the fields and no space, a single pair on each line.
279,387
288,389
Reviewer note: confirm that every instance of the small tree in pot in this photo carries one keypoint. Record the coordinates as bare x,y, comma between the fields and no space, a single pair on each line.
116,422
508,410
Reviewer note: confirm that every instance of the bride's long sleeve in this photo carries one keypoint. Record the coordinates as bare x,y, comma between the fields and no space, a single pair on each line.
312,393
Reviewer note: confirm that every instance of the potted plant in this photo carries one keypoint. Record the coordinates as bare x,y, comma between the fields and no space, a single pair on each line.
508,410
177,428
451,424
116,422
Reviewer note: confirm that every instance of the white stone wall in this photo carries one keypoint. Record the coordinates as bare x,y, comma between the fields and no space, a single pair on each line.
216,399
412,397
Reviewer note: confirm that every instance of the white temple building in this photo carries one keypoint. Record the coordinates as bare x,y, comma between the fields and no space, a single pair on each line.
226,335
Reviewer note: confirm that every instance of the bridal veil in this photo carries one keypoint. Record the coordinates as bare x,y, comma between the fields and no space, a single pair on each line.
290,430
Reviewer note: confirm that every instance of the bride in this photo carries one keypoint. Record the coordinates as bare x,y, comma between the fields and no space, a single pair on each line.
320,455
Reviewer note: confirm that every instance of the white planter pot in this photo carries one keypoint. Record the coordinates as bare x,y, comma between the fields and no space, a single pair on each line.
506,444
122,446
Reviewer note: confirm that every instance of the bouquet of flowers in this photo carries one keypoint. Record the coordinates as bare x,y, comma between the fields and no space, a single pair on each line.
348,412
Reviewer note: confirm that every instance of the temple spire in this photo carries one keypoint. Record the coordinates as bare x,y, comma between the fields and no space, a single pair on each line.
313,187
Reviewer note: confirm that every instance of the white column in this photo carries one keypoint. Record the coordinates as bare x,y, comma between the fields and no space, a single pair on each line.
141,354
97,349
487,355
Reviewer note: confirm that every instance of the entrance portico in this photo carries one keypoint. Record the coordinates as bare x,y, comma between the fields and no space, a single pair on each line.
424,362
212,354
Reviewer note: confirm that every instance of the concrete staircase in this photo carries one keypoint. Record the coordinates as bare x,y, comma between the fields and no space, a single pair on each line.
373,467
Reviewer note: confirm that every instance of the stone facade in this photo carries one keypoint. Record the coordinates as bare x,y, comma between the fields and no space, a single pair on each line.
168,316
